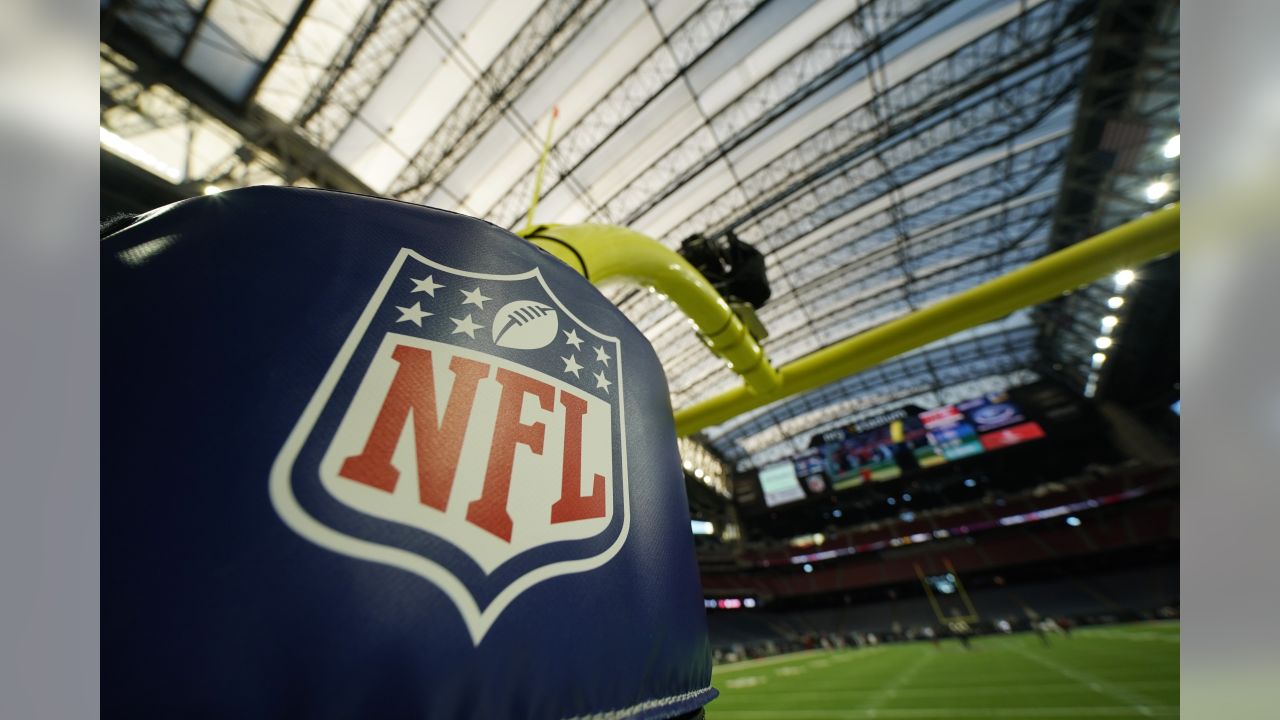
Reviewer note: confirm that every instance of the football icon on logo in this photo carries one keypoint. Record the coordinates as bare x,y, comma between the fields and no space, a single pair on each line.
525,325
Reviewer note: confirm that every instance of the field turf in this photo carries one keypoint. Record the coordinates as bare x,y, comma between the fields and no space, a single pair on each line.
1118,671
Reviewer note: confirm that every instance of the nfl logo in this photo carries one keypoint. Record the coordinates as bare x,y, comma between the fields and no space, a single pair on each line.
469,431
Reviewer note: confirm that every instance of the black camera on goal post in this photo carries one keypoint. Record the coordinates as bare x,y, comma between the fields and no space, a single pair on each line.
735,269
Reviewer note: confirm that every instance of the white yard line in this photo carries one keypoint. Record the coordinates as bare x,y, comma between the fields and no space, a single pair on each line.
748,681
1140,635
890,689
790,657
1135,702
925,713
950,692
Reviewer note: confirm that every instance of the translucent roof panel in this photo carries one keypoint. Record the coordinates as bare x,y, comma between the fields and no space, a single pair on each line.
229,44
882,154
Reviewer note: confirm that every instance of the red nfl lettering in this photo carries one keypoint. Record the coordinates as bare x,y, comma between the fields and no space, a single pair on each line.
438,444
572,505
490,511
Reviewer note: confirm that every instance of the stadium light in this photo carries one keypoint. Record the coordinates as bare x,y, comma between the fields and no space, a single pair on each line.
1173,148
1103,342
808,568
1124,277
1115,303
891,501
837,513
212,189
1074,521
1157,190
970,482
1109,322
906,497
698,473
688,464
1098,359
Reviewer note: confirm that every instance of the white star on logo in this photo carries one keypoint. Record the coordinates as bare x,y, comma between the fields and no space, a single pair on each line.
465,326
413,314
427,285
602,356
475,298
571,365
573,339
601,382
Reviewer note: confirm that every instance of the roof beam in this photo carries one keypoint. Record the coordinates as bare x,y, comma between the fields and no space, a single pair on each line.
289,31
536,45
195,30
1110,79
257,126
693,40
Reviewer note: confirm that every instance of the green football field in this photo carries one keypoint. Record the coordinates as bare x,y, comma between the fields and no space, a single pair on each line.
1126,671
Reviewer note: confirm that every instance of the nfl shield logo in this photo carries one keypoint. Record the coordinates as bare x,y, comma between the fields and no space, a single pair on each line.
469,431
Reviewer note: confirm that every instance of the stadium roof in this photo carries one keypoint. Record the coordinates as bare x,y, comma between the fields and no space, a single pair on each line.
883,153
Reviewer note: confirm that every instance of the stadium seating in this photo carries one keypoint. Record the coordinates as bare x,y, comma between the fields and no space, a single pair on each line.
975,543
1102,595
